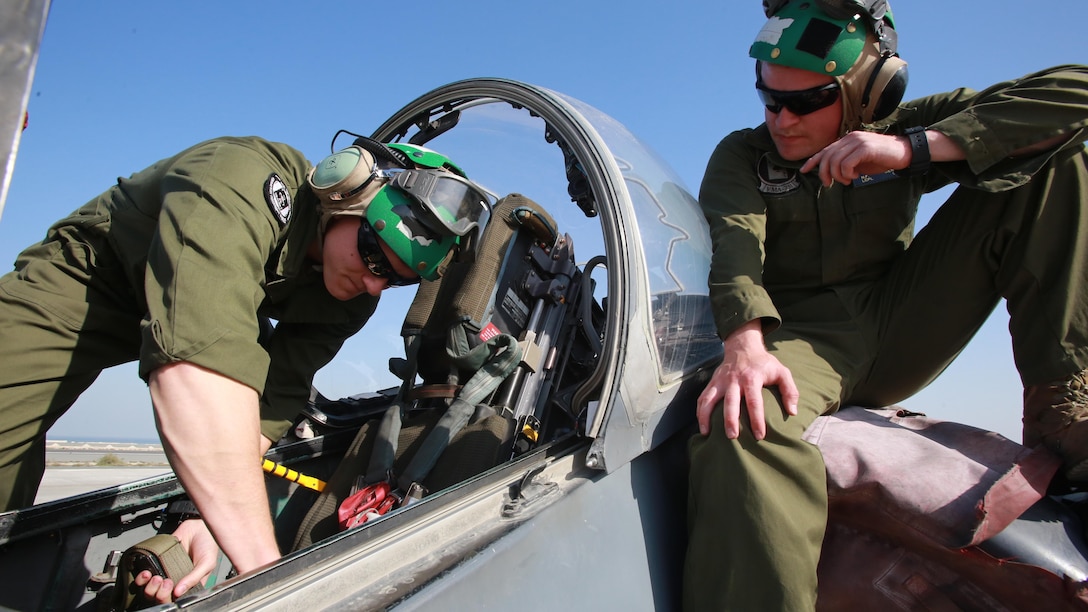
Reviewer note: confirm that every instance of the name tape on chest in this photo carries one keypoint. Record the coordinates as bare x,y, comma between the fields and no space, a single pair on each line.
867,180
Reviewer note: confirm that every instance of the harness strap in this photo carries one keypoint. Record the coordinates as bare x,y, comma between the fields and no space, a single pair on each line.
385,445
495,359
503,355
467,294
434,391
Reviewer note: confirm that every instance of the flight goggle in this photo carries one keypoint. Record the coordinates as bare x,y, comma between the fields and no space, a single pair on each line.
800,102
454,202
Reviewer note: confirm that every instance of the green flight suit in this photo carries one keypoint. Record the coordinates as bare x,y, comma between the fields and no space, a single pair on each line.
179,262
863,313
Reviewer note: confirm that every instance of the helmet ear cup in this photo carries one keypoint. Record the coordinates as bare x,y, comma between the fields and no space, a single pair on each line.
884,89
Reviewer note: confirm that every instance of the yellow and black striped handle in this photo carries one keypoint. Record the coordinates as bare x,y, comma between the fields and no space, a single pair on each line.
285,472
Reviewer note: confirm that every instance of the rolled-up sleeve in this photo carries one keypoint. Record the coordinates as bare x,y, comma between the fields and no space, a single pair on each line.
205,267
993,124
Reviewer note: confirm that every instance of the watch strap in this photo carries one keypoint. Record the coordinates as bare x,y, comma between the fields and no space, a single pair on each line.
919,151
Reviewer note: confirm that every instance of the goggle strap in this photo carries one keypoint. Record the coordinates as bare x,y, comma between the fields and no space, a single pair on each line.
381,150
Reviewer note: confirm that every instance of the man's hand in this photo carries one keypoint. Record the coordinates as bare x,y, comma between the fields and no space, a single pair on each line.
746,369
859,153
199,543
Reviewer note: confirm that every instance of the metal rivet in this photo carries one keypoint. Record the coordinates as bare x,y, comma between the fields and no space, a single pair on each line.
421,266
379,224
775,53
830,67
851,28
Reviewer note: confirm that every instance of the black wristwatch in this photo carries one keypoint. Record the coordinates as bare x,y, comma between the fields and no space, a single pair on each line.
919,152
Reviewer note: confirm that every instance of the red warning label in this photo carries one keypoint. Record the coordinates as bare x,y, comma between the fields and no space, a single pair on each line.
489,332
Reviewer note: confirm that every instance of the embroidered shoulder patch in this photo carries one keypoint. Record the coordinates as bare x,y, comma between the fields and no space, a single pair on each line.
775,179
278,198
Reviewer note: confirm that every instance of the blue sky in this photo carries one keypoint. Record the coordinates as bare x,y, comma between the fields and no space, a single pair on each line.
121,84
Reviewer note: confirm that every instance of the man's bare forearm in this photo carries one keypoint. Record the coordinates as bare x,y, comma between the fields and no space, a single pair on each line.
209,426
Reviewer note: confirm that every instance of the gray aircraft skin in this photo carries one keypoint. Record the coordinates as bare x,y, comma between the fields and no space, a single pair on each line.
589,516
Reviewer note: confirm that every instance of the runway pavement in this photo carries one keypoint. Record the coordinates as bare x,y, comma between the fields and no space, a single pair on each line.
80,467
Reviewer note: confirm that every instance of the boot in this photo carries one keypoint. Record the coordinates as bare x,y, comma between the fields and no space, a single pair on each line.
1056,415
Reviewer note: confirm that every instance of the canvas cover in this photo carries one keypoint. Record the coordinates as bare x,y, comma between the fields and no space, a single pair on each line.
911,499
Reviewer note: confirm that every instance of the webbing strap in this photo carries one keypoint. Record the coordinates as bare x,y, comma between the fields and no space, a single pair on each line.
503,355
385,444
452,421
497,358
162,555
422,305
485,360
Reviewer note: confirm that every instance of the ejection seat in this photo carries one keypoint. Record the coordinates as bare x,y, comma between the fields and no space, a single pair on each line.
489,341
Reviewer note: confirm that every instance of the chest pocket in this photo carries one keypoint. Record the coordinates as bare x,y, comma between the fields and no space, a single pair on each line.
794,208
879,225
792,243
798,205
881,213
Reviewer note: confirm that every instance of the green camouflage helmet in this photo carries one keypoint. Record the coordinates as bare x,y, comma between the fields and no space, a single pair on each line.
425,213
850,40
802,36
417,200
392,214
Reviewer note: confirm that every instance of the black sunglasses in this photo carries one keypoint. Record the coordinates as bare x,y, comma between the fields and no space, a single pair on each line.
801,102
370,250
